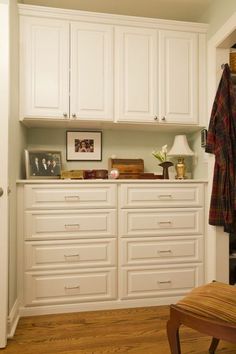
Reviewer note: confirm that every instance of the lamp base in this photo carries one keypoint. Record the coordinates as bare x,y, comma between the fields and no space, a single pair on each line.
180,169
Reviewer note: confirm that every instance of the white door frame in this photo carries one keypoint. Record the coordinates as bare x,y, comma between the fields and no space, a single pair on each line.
4,107
217,241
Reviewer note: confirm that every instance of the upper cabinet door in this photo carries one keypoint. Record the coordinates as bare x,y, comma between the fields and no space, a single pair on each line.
44,68
136,74
178,85
91,71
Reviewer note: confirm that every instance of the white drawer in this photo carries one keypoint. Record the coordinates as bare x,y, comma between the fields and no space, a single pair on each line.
70,196
47,288
165,195
153,251
154,282
150,222
70,224
69,254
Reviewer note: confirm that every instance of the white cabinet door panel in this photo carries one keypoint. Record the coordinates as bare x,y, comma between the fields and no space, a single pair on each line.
91,71
136,74
69,254
71,224
147,222
178,85
44,68
153,251
69,196
47,288
154,282
168,195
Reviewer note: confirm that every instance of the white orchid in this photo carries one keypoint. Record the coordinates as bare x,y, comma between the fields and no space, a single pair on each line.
162,154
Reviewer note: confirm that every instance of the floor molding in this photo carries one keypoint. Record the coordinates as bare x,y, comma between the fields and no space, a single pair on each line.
13,319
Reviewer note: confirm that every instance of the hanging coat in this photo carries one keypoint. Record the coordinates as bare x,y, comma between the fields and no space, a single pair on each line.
222,143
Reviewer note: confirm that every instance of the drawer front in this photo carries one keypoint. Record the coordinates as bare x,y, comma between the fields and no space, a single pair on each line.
161,222
70,196
70,224
48,288
165,195
160,281
152,251
63,255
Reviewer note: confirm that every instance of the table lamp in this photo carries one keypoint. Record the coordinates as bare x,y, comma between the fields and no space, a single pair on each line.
180,149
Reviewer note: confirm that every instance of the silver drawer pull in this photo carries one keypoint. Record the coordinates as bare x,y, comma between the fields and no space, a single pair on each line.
164,251
71,255
169,196
164,282
71,227
71,287
71,197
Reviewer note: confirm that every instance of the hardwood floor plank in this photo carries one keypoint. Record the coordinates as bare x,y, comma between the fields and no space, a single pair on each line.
131,331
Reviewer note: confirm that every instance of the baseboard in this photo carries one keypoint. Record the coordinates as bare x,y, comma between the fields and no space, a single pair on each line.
94,306
13,319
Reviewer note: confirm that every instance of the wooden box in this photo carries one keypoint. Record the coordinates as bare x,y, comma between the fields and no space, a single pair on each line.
128,168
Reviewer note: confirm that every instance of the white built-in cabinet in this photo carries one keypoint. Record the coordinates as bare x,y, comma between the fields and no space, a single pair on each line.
136,74
79,66
66,69
91,95
44,68
178,77
108,244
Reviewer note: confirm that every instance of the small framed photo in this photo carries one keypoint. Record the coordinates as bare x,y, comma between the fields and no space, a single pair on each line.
83,146
42,164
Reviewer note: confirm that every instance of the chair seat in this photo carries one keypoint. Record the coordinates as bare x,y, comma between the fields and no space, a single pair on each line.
216,301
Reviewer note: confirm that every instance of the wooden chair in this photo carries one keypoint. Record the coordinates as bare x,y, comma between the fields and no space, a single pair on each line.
209,309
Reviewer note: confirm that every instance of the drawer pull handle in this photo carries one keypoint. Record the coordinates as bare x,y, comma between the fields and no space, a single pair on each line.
164,251
71,197
165,222
164,281
71,287
70,227
71,255
169,196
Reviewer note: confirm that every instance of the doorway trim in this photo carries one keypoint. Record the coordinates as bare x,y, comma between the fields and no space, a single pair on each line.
217,239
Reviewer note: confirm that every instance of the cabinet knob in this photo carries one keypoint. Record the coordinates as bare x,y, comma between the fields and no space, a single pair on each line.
65,114
163,119
156,118
73,115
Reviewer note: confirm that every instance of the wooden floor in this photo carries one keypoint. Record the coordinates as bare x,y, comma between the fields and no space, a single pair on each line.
132,331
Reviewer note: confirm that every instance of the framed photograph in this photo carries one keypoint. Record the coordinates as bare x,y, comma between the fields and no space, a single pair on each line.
83,146
42,164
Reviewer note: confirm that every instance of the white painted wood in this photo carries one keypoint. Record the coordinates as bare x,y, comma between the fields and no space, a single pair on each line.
47,255
161,222
149,250
44,68
4,104
166,195
62,224
216,242
154,251
70,196
91,71
86,16
53,287
178,83
136,74
161,281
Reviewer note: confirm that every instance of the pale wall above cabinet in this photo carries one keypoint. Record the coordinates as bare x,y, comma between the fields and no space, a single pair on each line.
90,70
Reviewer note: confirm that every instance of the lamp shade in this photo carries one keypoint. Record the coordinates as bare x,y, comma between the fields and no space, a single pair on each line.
180,147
